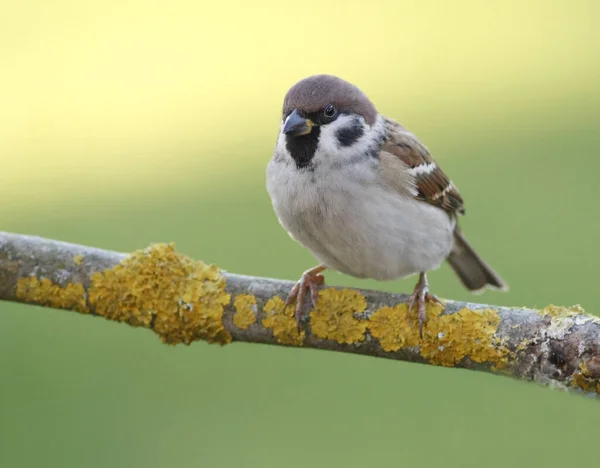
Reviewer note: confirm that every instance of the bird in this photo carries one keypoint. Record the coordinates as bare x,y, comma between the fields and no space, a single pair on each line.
364,195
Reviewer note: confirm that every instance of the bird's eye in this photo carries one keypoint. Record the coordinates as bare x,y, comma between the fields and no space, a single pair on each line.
330,111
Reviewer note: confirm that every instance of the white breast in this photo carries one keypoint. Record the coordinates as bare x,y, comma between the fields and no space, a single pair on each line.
353,223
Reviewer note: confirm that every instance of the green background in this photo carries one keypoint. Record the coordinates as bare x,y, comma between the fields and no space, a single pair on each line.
510,110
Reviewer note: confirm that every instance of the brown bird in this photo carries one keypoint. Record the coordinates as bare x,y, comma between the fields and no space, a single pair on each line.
364,195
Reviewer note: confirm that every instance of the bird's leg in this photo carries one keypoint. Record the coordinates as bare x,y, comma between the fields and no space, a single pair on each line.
310,279
421,295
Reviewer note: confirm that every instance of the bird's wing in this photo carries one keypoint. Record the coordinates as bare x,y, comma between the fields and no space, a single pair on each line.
430,183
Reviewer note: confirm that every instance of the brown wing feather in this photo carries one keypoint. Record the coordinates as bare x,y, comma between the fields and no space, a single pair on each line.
432,185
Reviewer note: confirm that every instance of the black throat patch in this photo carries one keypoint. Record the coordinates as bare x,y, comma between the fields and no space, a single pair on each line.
303,148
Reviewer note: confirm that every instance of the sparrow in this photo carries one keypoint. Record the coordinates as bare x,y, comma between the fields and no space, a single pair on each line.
365,196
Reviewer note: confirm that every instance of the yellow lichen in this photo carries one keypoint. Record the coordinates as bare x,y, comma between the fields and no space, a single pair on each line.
245,311
448,339
281,320
46,293
560,311
563,319
333,317
395,327
181,299
523,345
584,380
78,259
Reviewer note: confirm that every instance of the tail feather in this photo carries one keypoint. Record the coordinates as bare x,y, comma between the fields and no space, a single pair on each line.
474,273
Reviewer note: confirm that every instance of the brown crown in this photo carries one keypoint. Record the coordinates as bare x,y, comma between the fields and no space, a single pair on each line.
314,93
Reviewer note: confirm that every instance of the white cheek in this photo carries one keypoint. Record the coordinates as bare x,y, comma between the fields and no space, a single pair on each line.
328,141
330,152
280,145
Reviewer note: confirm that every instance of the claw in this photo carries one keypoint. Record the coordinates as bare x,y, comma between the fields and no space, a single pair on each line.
421,296
310,280
314,290
292,295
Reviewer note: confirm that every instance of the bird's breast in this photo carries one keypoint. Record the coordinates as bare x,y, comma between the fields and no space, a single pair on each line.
356,225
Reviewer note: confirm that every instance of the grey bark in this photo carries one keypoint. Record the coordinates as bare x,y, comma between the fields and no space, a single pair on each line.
558,351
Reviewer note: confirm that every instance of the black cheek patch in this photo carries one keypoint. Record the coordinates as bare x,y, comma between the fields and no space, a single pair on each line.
349,135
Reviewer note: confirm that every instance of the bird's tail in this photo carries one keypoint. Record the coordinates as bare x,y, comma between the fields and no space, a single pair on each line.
474,273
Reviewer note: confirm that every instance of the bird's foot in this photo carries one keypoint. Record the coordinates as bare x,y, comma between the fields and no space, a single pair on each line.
310,280
421,296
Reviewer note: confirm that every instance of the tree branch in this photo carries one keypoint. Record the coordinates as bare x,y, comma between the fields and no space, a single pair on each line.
183,300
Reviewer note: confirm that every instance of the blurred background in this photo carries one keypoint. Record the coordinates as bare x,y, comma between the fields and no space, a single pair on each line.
129,122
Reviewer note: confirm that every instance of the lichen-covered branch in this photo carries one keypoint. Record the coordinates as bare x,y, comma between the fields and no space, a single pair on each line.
183,300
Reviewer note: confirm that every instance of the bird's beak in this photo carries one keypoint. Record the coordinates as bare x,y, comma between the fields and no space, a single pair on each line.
296,125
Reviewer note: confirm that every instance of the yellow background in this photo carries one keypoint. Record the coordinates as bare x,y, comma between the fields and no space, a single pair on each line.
128,122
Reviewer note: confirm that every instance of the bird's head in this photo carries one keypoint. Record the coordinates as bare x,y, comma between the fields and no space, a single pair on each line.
325,117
